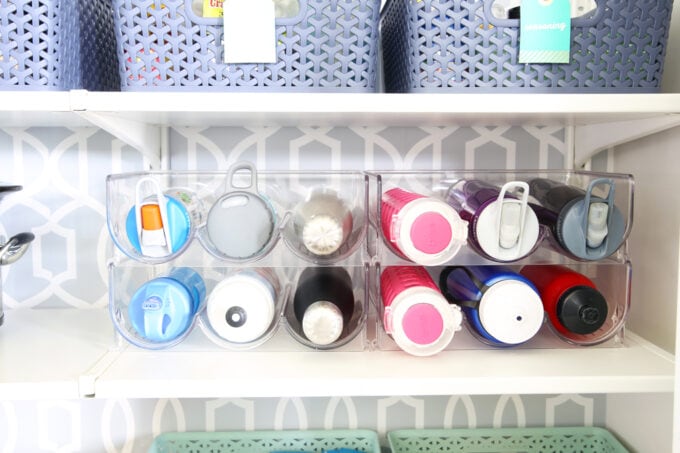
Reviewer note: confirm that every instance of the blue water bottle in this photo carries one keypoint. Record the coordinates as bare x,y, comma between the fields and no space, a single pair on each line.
163,309
501,307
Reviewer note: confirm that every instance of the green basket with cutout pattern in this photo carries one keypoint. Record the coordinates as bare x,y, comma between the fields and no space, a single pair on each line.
498,440
316,441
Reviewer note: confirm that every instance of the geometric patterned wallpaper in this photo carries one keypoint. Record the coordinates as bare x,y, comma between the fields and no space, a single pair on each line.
63,204
127,426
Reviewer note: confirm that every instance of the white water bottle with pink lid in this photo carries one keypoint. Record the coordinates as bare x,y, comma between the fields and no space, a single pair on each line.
416,314
426,230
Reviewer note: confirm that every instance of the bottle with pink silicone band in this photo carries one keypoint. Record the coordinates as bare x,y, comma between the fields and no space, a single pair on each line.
416,314
424,229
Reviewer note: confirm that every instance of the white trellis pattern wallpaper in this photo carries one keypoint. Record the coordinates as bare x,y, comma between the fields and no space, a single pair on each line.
63,204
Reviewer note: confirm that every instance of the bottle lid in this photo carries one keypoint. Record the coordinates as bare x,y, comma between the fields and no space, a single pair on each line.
511,311
151,239
322,235
421,321
507,229
240,225
322,322
161,310
582,310
241,307
430,232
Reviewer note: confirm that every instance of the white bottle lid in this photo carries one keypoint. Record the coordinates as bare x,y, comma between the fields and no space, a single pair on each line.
429,231
241,307
322,235
507,238
322,322
421,321
511,311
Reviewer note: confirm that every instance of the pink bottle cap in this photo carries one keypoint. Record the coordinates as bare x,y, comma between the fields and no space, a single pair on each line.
429,231
421,321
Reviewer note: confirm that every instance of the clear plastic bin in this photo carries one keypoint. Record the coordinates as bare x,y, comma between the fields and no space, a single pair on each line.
331,204
612,280
554,241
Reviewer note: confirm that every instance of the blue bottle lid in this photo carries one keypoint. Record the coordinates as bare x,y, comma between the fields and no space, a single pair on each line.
176,224
161,310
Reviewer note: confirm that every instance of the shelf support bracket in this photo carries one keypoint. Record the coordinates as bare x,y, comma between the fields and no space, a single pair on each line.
590,139
144,137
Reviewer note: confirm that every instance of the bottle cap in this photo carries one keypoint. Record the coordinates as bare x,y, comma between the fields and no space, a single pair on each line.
511,311
429,231
241,307
421,321
161,310
322,235
322,322
582,310
507,229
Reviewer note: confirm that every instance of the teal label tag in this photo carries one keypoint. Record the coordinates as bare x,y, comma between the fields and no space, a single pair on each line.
545,31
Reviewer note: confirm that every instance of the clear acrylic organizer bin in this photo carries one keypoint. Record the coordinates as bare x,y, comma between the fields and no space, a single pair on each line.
409,210
611,279
438,185
292,198
313,221
281,332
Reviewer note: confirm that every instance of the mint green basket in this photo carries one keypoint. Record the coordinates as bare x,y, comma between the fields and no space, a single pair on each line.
266,441
540,440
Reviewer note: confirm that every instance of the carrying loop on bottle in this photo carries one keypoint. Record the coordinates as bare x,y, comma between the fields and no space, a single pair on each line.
251,186
510,222
597,215
481,286
152,219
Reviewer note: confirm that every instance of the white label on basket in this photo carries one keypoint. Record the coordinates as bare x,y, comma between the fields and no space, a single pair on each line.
249,31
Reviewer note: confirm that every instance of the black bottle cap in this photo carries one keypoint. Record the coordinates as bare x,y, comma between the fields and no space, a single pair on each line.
582,310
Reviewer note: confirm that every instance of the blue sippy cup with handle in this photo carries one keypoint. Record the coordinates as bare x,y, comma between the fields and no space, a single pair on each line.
162,310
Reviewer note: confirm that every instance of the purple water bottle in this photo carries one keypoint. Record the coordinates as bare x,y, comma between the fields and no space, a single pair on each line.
584,225
501,227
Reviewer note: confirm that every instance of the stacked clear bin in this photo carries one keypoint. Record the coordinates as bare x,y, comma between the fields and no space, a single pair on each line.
607,271
239,231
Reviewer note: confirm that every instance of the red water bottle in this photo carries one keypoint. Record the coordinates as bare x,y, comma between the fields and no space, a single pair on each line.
576,309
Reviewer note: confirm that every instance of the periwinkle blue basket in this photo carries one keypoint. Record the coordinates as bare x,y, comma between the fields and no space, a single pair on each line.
459,45
57,45
330,45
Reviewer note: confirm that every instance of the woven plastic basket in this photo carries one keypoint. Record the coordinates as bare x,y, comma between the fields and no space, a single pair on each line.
331,45
57,45
539,440
266,441
459,45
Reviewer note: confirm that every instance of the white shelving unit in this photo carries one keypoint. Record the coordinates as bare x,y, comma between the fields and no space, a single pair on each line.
73,353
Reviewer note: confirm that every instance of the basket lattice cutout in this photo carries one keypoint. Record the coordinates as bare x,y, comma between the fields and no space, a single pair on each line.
57,45
457,45
331,46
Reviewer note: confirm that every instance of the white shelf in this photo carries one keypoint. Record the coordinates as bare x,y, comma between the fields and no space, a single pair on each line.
366,109
600,120
26,109
71,353
43,353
